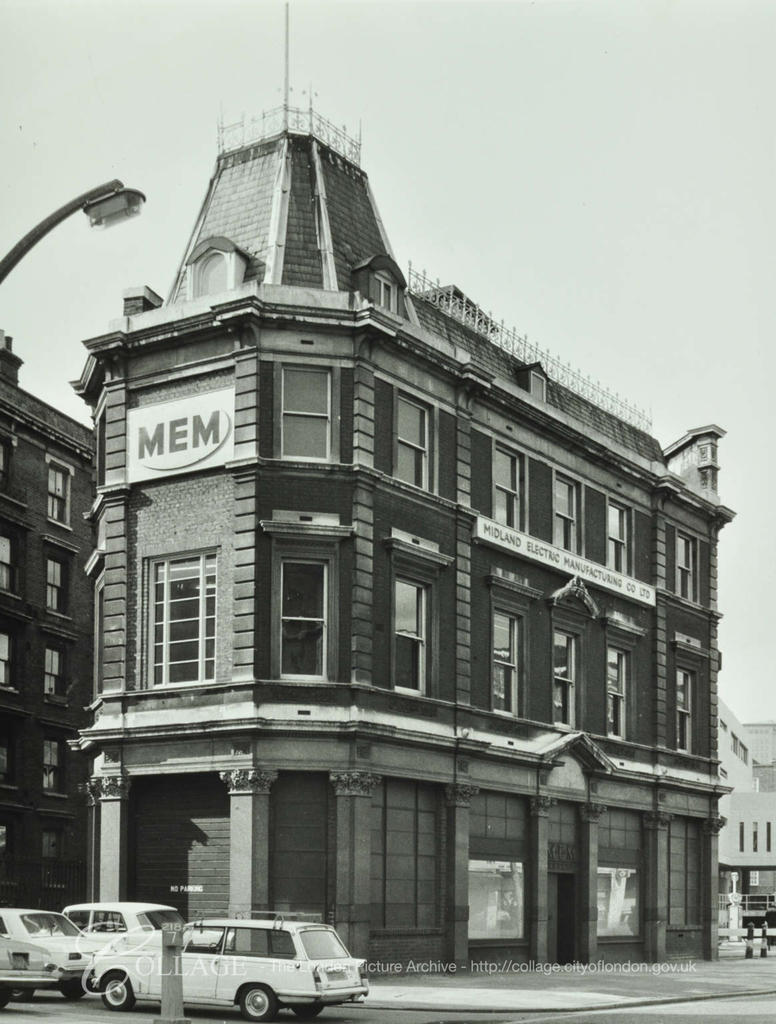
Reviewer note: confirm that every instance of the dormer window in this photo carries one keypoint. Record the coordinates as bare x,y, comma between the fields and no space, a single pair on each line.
216,265
533,379
538,386
385,292
210,274
380,281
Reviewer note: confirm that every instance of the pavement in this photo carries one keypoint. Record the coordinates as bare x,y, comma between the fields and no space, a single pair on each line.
507,986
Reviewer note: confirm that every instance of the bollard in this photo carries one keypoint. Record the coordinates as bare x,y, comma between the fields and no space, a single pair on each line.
172,981
749,942
764,940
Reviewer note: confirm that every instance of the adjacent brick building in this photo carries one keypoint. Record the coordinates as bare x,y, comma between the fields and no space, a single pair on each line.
399,625
46,644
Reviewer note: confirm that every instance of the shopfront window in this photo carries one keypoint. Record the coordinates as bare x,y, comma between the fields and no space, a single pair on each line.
618,901
496,899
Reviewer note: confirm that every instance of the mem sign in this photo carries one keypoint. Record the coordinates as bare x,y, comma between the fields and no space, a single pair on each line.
186,435
490,532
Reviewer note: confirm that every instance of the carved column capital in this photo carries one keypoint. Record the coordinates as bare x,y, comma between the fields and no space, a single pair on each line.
714,825
248,780
91,791
592,812
656,819
108,787
354,783
459,794
540,806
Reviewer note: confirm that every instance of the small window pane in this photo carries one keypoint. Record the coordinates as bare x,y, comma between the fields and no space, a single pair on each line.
618,901
408,599
306,391
412,423
305,437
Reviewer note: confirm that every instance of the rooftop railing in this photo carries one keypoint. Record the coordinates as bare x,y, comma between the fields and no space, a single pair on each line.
293,119
453,303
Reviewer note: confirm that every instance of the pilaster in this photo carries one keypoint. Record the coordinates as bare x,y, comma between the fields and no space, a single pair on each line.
661,631
590,815
656,884
363,582
710,885
249,791
458,797
113,791
353,791
463,552
537,937
245,584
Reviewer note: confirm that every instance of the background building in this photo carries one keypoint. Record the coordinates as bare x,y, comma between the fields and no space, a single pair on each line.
408,626
762,736
46,643
747,843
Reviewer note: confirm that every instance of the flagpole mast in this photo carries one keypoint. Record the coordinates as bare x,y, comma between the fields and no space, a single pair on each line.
285,84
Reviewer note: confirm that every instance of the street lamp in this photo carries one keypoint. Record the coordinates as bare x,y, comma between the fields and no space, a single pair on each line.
105,205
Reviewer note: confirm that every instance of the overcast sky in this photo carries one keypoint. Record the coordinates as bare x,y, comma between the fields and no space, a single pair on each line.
599,174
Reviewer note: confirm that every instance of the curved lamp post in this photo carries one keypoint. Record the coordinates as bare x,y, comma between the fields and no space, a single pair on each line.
105,205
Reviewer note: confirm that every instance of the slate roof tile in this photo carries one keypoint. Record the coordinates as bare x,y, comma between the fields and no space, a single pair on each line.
490,357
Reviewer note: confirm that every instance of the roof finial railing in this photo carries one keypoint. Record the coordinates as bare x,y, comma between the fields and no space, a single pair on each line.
452,302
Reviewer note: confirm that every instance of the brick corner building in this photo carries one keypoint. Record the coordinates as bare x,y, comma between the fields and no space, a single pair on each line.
400,624
46,644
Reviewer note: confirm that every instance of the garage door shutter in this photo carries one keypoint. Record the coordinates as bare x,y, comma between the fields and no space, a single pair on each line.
181,843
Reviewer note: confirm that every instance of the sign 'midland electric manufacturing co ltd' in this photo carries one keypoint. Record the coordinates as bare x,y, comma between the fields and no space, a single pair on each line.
491,532
185,435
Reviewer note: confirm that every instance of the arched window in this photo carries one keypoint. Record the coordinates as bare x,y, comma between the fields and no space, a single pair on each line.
211,275
216,265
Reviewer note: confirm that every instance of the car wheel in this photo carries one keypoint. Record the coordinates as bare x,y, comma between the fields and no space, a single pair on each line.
307,1012
5,997
22,995
258,1003
117,993
72,989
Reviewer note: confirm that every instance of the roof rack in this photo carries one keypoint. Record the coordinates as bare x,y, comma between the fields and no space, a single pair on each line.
281,916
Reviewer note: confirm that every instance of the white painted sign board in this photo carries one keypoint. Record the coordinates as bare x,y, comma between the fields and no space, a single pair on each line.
185,435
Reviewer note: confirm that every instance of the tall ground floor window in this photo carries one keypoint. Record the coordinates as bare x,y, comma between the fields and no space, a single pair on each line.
684,872
619,873
498,833
405,854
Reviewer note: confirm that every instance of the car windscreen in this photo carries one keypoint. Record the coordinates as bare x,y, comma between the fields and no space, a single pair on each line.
157,919
40,924
322,944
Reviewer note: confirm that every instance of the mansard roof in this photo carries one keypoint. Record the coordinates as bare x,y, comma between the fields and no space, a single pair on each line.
302,213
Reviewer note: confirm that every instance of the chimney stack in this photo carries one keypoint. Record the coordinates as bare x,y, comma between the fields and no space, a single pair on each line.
140,300
9,363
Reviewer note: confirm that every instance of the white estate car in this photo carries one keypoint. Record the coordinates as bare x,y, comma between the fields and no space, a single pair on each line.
260,965
68,948
123,924
24,966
